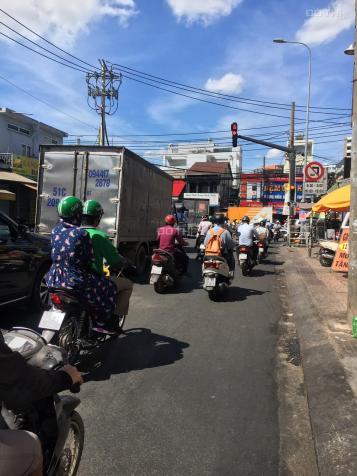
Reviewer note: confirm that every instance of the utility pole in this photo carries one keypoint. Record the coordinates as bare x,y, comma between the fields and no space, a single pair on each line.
352,249
103,89
262,194
292,177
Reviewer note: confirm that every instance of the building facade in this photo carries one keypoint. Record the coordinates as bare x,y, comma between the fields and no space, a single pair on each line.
20,138
299,145
267,188
185,155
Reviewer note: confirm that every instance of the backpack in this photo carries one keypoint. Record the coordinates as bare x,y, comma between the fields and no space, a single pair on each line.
214,244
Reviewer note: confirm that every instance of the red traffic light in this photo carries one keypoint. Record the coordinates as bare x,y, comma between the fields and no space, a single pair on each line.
292,187
234,128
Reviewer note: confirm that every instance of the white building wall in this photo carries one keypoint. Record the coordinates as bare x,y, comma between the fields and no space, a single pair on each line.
186,155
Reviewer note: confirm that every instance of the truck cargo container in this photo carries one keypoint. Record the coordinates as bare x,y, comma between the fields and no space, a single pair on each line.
135,194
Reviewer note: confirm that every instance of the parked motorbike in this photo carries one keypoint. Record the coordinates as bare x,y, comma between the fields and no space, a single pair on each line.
327,253
54,419
216,276
164,273
245,260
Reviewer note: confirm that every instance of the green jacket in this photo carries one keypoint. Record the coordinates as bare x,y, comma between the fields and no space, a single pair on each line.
103,249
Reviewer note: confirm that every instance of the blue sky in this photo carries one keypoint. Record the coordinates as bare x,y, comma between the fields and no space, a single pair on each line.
219,45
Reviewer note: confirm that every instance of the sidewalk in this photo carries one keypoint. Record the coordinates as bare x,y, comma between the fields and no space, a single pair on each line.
317,302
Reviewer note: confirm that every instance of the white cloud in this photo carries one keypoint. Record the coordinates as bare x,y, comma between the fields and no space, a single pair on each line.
273,154
323,25
166,111
229,83
202,11
63,21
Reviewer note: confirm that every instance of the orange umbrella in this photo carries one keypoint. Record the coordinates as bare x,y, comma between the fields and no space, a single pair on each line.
338,200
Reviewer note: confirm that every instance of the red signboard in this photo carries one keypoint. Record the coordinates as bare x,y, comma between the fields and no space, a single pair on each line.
340,262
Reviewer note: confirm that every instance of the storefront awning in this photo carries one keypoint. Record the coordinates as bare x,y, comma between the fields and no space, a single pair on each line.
177,187
13,177
6,195
338,200
30,186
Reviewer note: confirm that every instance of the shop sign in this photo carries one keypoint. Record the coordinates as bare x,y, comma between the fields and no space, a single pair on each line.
340,262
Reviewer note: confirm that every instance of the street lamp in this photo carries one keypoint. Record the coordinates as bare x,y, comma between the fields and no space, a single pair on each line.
281,40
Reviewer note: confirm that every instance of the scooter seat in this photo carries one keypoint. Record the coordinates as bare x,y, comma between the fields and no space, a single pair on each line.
214,258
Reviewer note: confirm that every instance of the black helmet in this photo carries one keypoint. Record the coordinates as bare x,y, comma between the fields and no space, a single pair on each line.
246,219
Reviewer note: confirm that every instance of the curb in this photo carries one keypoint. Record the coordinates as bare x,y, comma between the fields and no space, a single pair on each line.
332,405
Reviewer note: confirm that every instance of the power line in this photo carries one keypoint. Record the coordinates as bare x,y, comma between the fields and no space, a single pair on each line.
45,102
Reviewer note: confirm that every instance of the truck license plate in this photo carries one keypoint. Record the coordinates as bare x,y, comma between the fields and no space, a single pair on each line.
52,319
210,282
243,256
156,269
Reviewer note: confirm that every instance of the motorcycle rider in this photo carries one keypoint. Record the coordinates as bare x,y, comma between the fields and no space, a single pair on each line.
104,249
262,232
203,227
227,244
171,241
72,260
20,385
246,236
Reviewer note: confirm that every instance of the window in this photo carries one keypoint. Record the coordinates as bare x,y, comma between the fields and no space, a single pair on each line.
12,127
28,151
23,150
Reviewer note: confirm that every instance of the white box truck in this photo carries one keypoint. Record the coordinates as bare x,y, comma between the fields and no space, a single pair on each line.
135,194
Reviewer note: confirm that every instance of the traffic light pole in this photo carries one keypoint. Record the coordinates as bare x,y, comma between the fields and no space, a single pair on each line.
352,249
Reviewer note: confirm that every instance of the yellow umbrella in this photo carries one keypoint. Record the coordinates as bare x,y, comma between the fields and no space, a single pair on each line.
338,200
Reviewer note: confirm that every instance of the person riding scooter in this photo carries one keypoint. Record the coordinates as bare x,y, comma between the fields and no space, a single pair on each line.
227,244
246,236
104,249
263,232
22,384
72,260
203,227
171,241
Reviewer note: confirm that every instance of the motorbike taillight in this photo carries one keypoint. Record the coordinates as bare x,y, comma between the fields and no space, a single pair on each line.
56,300
157,257
211,264
242,249
260,245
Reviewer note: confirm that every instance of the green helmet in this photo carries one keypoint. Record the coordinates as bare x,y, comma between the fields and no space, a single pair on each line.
69,207
93,208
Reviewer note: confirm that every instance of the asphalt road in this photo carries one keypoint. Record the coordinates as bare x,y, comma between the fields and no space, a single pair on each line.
189,389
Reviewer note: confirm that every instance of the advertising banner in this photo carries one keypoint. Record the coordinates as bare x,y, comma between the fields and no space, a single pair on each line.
340,262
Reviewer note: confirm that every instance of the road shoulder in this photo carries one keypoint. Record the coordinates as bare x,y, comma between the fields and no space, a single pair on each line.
332,403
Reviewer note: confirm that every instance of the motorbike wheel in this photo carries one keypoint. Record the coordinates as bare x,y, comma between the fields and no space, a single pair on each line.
67,337
245,269
72,451
159,286
327,263
213,295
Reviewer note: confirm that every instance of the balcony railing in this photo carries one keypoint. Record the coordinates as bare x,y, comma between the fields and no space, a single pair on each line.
6,161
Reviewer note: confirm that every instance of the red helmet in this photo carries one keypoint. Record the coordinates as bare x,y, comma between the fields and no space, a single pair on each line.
170,220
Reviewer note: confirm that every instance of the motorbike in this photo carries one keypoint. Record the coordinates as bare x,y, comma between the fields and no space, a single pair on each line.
164,273
53,419
200,248
261,252
73,320
245,259
327,252
276,235
216,276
